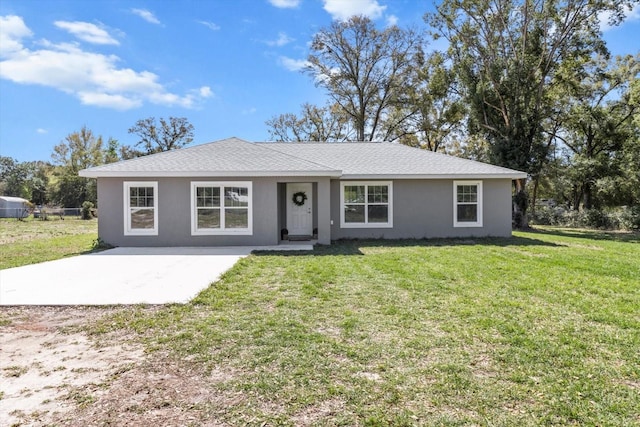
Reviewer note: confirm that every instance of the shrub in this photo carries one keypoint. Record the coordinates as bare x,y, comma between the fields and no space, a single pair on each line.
595,218
99,244
87,208
547,215
628,217
623,218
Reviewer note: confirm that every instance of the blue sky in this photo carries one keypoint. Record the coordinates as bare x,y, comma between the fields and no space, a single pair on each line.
225,65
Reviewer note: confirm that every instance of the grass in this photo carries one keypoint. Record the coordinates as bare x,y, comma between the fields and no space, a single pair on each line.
32,240
540,329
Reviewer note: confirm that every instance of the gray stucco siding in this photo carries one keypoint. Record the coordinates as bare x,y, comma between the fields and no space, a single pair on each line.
174,215
174,212
421,209
424,209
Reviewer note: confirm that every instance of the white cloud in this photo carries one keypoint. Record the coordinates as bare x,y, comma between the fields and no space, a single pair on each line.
106,100
146,15
41,131
321,78
631,14
94,78
210,25
342,10
392,20
86,31
294,64
205,92
12,30
282,40
248,111
285,3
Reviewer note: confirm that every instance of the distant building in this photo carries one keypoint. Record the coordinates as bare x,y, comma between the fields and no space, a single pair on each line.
13,207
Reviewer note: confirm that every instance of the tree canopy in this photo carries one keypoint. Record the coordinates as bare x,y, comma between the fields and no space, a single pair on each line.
29,180
507,56
321,124
80,150
363,70
171,134
598,130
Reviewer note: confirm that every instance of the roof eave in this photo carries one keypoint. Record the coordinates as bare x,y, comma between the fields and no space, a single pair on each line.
87,173
515,175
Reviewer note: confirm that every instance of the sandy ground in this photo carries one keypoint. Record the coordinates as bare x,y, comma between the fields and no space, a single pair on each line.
53,373
46,368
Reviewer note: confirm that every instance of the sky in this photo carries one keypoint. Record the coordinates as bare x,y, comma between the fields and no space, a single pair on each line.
225,65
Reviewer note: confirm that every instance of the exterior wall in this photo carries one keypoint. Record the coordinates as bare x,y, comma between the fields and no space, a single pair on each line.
421,209
424,209
174,213
282,207
324,212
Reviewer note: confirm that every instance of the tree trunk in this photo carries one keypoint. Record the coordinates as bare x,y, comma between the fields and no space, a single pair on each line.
520,205
588,196
534,196
576,197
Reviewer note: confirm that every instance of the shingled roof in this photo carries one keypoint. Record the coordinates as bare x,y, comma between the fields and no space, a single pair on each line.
234,157
369,160
228,157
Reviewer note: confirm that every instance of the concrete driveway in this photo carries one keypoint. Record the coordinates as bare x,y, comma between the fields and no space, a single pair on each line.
122,276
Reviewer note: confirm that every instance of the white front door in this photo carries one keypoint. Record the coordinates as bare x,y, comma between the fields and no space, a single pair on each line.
300,211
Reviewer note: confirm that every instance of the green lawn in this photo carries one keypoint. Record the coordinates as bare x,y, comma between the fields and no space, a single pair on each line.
540,329
32,240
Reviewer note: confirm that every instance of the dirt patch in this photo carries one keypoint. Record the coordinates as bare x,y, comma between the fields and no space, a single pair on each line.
316,413
45,365
53,373
158,391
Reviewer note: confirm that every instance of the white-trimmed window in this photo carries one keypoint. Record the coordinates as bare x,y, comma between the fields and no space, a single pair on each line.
467,203
366,204
140,208
221,208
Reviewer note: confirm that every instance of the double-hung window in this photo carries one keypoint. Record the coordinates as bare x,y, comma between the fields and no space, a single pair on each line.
140,208
366,204
221,208
467,203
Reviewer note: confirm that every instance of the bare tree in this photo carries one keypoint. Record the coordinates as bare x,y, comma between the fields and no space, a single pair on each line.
315,123
432,116
168,135
363,69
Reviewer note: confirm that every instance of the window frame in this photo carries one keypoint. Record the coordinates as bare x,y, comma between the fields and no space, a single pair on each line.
222,231
366,204
128,230
478,203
